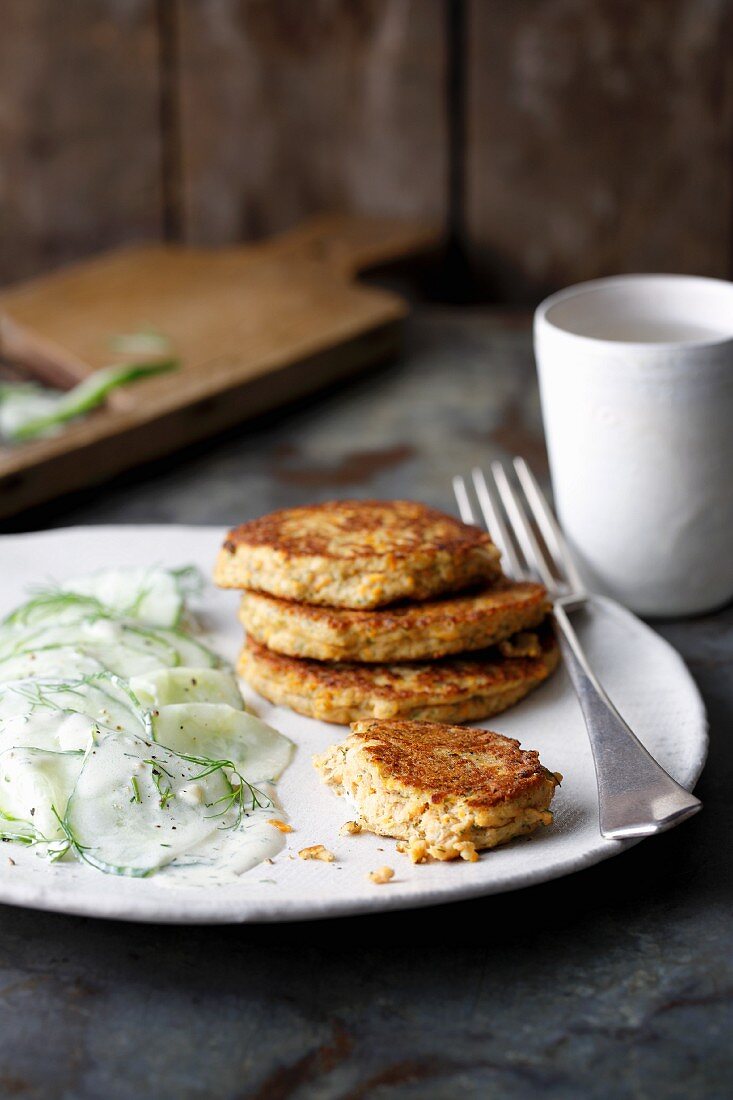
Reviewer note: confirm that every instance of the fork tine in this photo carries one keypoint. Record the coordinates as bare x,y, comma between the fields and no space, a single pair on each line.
548,525
464,504
522,527
494,520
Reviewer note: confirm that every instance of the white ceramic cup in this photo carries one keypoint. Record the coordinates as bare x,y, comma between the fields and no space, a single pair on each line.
636,381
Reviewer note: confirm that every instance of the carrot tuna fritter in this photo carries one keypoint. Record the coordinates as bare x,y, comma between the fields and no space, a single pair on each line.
356,554
444,791
409,632
452,689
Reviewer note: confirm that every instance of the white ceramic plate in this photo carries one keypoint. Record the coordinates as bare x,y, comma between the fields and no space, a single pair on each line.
647,679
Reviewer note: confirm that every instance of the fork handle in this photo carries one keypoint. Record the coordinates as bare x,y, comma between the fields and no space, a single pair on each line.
636,796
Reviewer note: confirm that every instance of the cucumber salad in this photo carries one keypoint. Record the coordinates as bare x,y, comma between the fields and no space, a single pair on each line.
124,742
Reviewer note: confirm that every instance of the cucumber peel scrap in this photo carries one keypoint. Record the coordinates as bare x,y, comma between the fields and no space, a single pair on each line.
29,412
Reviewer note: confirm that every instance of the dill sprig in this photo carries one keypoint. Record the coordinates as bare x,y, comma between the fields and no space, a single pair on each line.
71,841
243,795
159,773
55,849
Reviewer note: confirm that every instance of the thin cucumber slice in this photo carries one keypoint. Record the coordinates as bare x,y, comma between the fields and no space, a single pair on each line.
187,685
191,653
122,648
35,786
137,806
65,717
53,607
218,731
146,593
49,663
189,579
103,698
40,730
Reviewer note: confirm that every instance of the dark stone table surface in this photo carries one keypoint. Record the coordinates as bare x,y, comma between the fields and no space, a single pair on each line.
615,982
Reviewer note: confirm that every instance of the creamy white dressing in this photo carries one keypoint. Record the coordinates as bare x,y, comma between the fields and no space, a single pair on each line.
104,630
192,795
73,733
224,860
165,774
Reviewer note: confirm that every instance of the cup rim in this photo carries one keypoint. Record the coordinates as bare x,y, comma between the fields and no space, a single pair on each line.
578,289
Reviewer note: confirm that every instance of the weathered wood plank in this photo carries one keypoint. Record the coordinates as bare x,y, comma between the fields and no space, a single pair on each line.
290,108
598,139
79,133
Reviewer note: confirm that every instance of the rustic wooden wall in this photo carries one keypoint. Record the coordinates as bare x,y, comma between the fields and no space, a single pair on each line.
291,107
581,136
599,139
79,129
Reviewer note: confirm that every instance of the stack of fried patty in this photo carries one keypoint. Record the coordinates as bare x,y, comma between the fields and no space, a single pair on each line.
383,609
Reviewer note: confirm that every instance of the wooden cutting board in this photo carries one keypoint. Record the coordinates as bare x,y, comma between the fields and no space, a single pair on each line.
254,327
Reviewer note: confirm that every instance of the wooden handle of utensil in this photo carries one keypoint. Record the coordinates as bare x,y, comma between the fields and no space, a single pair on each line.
40,359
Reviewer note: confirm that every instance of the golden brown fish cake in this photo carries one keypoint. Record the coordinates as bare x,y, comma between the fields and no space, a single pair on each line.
454,689
444,791
410,632
356,553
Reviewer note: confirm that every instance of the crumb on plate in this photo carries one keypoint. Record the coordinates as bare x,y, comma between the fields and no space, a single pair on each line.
381,875
317,851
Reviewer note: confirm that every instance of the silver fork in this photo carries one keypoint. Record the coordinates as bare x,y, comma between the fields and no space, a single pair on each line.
636,795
